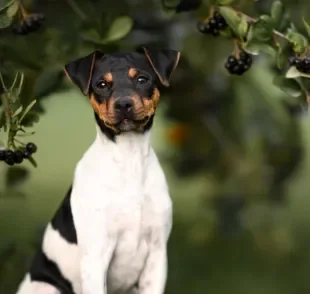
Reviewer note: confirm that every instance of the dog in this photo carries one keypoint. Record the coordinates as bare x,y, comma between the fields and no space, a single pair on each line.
110,234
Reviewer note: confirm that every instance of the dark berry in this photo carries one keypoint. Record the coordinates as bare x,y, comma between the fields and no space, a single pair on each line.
18,156
2,155
213,22
217,16
31,147
28,23
292,60
215,32
203,27
20,29
9,154
221,25
9,160
26,153
232,60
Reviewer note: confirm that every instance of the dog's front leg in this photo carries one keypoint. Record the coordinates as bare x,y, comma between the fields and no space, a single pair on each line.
153,278
96,243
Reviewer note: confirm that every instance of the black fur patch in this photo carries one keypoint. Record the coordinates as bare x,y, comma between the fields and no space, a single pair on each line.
44,270
63,220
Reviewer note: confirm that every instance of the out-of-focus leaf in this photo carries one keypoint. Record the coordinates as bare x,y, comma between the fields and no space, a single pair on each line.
5,4
307,26
119,29
289,86
18,111
26,111
224,2
299,42
12,9
30,119
5,20
91,35
242,27
231,17
15,176
277,11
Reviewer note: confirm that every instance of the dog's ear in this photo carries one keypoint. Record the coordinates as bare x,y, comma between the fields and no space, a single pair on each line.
163,61
80,70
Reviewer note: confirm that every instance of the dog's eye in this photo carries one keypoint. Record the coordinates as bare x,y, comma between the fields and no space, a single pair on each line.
142,80
101,85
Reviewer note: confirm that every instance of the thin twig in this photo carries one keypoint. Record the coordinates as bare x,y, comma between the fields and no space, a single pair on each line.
76,9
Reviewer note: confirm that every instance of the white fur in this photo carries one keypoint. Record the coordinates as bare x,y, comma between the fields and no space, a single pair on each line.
123,217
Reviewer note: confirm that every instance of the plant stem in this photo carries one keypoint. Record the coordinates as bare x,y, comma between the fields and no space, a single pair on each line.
76,9
23,11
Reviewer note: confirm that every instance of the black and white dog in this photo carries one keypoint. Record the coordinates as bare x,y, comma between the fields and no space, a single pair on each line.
110,234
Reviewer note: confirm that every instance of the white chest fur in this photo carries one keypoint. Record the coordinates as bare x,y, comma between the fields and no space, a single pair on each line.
122,213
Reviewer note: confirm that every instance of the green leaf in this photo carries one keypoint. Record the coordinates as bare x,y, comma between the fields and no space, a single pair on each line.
299,42
12,9
18,111
119,29
289,86
30,119
5,4
260,31
224,2
47,82
28,108
15,176
242,27
16,90
3,121
307,26
294,73
277,11
91,35
231,17
5,21
281,59
170,4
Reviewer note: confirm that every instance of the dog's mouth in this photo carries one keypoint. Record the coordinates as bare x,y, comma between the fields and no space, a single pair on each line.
128,124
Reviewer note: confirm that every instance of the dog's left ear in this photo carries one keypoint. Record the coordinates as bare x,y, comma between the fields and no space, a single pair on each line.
163,61
80,70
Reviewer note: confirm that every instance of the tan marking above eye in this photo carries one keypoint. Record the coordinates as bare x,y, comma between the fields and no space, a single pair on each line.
108,77
132,73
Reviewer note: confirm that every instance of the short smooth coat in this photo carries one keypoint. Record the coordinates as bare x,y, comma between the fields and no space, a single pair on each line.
120,191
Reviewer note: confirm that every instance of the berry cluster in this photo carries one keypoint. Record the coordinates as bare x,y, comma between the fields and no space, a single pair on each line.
30,24
302,64
213,26
12,157
238,66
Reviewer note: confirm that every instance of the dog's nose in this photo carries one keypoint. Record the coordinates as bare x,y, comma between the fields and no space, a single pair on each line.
123,105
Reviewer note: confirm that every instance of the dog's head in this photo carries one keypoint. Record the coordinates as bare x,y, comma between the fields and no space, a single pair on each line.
123,88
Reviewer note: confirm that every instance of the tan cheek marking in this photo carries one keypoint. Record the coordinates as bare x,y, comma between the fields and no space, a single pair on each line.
100,109
150,105
138,106
132,73
108,77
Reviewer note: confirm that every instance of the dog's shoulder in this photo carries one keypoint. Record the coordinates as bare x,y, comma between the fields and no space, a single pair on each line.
63,219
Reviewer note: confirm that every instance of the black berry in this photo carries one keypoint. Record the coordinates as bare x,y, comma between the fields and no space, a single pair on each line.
32,23
238,66
31,148
26,154
203,27
213,26
9,154
18,156
9,160
2,155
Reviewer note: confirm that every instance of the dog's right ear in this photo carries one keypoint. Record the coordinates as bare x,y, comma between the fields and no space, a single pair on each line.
80,70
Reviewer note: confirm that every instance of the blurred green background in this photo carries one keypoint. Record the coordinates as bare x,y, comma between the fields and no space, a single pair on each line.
235,149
